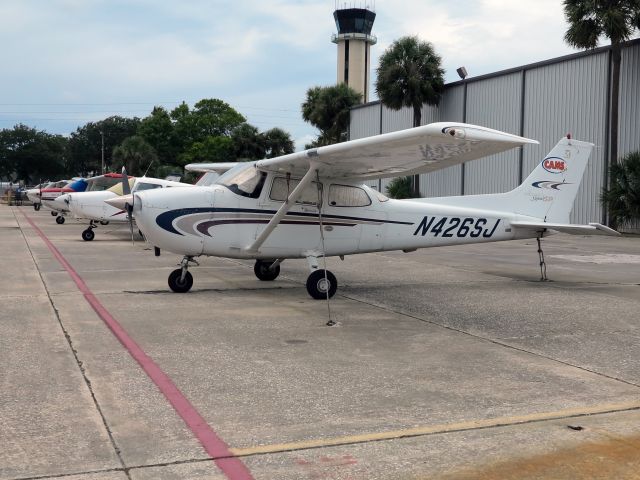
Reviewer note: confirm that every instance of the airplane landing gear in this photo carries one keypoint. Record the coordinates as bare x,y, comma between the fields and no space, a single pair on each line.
59,219
54,213
36,206
180,280
267,270
88,235
318,284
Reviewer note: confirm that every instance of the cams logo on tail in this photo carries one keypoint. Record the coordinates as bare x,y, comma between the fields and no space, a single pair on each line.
549,191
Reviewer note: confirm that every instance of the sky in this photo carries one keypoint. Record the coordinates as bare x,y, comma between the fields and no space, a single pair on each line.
67,62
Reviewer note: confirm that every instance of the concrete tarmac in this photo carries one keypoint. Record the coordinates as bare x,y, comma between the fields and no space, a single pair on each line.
446,363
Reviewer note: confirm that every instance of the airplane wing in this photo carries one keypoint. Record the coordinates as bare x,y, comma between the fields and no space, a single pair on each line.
571,229
416,150
219,168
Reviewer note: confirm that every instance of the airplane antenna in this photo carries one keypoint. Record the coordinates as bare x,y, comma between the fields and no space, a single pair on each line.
330,322
147,170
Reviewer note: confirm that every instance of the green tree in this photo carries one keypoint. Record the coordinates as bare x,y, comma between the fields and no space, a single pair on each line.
589,20
28,154
328,109
214,117
211,149
277,142
135,154
247,143
622,198
85,144
158,130
410,75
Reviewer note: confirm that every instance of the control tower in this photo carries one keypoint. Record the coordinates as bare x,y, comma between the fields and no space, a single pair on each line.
354,42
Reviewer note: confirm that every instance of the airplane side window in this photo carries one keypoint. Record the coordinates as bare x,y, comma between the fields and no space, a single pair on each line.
146,186
348,196
247,183
279,191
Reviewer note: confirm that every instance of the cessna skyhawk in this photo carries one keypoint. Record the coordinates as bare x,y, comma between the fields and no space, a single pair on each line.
312,204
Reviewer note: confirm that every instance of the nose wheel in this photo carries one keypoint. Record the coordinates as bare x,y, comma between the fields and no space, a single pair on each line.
181,280
36,206
88,235
59,219
267,270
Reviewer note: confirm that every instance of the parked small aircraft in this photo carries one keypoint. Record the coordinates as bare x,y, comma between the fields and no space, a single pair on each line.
91,205
46,194
312,204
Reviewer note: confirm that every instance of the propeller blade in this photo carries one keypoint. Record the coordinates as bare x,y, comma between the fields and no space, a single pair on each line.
126,190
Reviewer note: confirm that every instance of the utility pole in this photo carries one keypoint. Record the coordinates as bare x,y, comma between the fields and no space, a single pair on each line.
102,136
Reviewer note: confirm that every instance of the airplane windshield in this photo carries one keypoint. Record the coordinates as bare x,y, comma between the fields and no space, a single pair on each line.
103,183
247,182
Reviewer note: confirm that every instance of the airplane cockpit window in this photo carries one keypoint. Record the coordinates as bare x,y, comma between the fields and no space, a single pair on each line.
103,183
140,186
348,196
247,182
280,191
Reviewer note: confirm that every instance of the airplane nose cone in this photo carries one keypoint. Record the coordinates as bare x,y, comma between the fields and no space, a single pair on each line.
62,201
120,202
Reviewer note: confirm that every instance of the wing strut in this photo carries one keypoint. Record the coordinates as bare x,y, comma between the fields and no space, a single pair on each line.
282,211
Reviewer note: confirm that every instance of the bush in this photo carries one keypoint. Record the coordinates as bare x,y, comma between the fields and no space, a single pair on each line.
400,187
622,198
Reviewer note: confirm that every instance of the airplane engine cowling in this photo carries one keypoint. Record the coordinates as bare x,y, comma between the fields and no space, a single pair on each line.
169,217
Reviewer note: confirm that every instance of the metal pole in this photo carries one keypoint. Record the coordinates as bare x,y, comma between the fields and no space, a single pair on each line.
102,136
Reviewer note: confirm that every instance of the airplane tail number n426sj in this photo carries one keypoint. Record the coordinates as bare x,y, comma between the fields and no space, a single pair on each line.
312,204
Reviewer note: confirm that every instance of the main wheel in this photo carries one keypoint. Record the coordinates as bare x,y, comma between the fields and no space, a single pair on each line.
54,213
262,271
104,222
59,219
317,285
88,235
36,206
180,286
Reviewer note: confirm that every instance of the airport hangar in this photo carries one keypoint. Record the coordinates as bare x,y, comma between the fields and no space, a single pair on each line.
543,101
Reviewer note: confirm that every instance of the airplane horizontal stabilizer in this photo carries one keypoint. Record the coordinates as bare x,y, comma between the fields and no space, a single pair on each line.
571,229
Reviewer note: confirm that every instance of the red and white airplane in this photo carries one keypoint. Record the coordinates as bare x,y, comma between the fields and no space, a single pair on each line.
312,204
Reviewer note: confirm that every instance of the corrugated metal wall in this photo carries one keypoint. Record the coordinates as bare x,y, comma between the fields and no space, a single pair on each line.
542,101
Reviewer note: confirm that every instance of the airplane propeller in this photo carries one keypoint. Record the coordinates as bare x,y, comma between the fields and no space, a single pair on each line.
128,206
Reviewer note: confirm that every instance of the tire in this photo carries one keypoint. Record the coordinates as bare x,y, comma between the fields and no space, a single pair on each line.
36,206
59,219
54,213
176,285
104,222
88,235
316,284
261,269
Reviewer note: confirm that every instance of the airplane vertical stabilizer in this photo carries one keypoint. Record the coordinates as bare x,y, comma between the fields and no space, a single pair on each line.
549,191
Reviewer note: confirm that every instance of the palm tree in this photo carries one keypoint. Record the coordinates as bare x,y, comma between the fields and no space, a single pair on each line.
410,75
622,198
135,154
615,19
328,109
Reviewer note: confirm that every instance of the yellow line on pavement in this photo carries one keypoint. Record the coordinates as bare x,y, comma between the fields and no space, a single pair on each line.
434,429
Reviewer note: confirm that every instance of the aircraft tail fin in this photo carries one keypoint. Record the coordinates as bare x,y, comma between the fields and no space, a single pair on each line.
549,191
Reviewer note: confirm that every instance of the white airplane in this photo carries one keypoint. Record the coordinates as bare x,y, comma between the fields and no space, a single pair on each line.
46,195
90,205
312,204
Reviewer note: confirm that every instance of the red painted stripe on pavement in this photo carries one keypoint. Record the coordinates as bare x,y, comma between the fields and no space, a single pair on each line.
230,465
